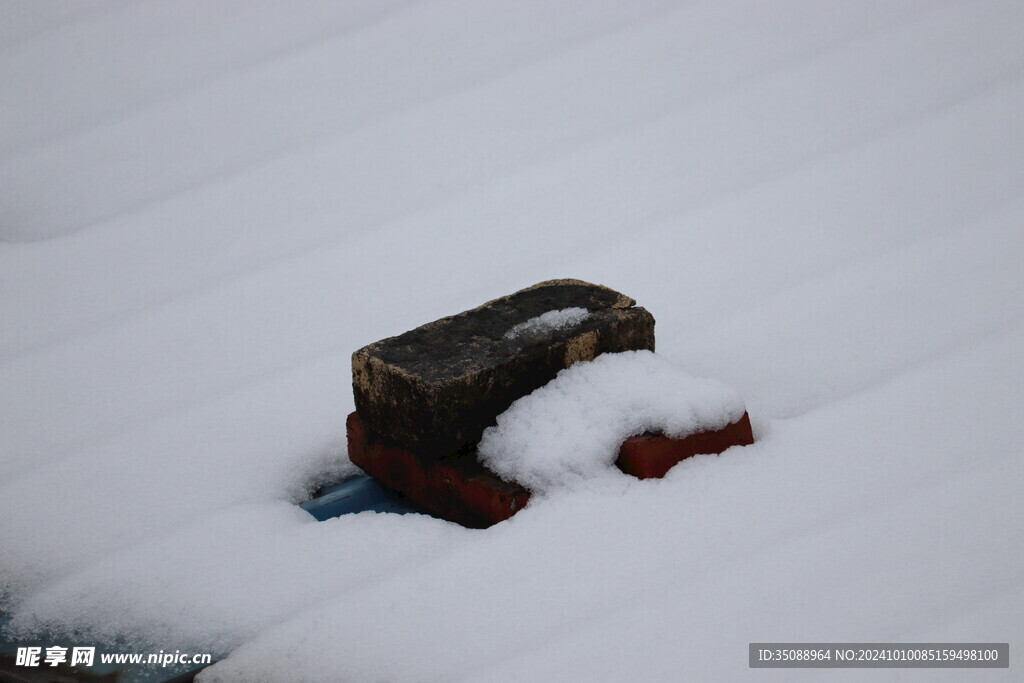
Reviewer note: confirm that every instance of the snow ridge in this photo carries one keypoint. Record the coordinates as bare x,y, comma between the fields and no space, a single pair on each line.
570,429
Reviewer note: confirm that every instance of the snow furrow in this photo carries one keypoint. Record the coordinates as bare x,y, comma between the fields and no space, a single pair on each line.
274,203
231,39
26,20
242,127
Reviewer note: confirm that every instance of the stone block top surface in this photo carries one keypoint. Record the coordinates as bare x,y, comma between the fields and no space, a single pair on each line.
469,342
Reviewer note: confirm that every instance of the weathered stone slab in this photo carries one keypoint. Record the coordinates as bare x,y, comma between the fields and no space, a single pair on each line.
436,388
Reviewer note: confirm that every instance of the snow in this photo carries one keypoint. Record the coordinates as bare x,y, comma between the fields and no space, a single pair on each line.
546,323
569,431
205,210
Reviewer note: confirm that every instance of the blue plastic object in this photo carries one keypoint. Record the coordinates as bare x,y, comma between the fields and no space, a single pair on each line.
358,494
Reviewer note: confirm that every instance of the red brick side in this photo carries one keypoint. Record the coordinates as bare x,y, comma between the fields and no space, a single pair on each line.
653,456
458,488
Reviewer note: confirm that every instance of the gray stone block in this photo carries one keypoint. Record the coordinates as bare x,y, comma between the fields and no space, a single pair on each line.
436,388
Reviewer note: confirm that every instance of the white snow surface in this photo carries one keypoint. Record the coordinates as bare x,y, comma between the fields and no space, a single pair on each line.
206,207
546,323
568,432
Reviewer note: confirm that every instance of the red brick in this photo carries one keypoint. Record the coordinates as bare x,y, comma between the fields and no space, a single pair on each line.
456,488
459,489
652,456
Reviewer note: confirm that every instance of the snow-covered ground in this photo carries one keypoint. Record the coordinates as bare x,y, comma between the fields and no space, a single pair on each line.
206,207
